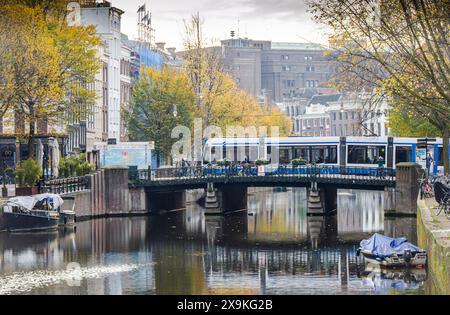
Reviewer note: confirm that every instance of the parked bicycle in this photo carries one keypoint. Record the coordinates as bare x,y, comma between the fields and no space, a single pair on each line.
426,189
442,197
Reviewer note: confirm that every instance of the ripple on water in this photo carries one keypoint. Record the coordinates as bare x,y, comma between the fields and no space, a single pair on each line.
21,282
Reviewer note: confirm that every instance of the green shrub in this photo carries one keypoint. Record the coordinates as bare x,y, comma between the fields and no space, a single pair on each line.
74,166
28,173
261,162
84,169
224,162
297,162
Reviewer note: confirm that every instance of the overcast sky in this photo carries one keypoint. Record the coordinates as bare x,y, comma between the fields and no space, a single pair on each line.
276,20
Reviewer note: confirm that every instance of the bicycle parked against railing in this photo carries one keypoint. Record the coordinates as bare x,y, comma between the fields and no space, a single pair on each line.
442,197
426,189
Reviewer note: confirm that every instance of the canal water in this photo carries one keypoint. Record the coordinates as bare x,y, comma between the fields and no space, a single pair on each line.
274,248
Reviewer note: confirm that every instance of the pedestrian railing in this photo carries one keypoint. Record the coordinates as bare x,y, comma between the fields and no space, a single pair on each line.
65,185
314,173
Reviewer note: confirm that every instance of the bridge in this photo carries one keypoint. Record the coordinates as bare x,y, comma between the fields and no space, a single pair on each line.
226,186
123,190
284,175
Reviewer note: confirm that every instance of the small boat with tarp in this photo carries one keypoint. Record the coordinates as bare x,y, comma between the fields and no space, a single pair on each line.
32,213
392,252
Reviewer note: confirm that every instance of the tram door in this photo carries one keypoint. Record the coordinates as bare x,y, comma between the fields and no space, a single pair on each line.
421,157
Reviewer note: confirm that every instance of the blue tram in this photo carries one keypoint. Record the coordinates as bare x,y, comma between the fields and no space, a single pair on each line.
355,153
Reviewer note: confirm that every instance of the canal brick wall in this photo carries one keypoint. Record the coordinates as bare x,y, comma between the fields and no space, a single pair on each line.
109,195
407,188
433,234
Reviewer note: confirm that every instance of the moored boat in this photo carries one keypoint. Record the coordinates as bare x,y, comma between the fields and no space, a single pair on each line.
392,252
31,213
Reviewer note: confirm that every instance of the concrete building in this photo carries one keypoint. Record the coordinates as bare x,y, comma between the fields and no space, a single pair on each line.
283,70
354,114
295,106
125,89
315,122
107,20
242,59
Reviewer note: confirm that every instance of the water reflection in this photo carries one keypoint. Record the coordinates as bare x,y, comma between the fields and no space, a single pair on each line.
389,281
274,249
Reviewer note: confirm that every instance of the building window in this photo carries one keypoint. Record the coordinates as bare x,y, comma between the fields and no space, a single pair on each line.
334,116
288,83
340,116
238,54
286,68
310,68
308,58
285,57
237,67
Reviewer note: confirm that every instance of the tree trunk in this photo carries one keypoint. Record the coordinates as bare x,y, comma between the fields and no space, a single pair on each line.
445,138
32,132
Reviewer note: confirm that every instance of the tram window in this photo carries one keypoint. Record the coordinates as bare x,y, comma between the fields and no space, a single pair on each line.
316,154
332,155
304,153
362,154
284,155
403,154
324,154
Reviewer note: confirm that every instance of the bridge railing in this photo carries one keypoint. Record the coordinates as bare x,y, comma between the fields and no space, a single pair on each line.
322,171
65,185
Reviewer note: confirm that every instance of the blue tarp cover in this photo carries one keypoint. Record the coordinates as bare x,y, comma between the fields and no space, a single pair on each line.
384,246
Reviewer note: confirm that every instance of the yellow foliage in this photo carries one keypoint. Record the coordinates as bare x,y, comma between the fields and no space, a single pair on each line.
236,107
45,64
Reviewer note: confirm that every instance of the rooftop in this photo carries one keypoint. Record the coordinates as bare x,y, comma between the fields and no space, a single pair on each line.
325,99
297,46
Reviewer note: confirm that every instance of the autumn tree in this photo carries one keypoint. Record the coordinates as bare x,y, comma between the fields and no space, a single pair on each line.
46,65
236,107
203,66
29,64
405,122
160,101
218,99
399,47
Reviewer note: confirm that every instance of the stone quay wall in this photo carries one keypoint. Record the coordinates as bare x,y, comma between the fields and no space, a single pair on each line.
433,235
109,195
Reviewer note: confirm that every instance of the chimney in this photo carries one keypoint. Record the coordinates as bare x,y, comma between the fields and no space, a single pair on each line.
160,45
171,51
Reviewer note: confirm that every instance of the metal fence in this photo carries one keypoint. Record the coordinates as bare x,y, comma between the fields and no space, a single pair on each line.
328,172
65,185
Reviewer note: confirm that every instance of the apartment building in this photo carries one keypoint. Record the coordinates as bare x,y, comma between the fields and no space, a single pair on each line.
283,70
